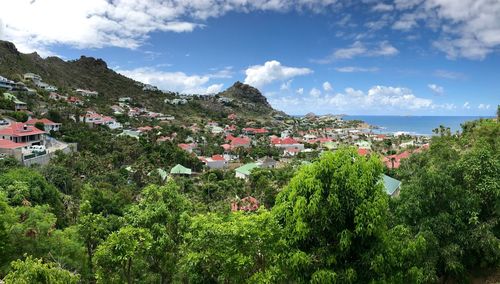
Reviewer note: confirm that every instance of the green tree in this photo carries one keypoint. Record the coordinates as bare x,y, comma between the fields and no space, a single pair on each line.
160,211
32,270
122,256
334,216
233,248
451,194
40,126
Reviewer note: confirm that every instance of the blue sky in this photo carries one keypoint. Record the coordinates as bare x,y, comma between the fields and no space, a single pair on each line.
412,57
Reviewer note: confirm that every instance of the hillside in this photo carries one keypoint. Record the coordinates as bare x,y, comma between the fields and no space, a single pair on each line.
94,74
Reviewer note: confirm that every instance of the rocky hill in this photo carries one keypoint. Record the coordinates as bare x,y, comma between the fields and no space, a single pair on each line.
94,74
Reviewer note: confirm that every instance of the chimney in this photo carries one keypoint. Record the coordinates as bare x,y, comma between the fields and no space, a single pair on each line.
25,127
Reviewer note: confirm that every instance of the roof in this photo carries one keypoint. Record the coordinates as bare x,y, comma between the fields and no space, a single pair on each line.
17,130
284,141
10,96
390,184
180,170
45,121
7,144
247,168
363,152
240,141
218,158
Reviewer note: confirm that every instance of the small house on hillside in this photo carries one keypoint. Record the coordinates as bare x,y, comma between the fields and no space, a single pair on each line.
244,171
391,185
18,105
48,124
180,170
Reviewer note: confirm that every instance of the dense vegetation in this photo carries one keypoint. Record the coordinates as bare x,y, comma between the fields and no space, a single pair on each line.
85,218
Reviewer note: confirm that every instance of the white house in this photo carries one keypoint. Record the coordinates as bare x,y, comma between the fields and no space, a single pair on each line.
215,162
48,124
86,93
33,77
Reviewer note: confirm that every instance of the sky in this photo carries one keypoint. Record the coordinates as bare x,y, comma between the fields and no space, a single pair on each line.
364,57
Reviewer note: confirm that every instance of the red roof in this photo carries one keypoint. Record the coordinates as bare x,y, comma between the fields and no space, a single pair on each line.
145,128
239,141
7,144
17,130
45,121
218,158
232,116
255,130
284,141
226,146
397,159
363,152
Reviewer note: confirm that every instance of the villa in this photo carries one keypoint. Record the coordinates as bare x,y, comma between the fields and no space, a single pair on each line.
48,124
18,132
86,93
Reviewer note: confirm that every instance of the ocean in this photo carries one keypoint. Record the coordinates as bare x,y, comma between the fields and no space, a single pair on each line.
416,125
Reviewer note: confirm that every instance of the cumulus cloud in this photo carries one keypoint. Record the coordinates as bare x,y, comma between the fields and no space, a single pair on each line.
484,106
286,85
378,99
272,71
352,69
465,28
327,87
35,25
382,7
315,93
173,81
358,49
300,91
466,105
438,90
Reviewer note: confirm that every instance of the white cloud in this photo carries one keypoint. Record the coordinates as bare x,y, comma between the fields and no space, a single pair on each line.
173,81
438,90
378,99
483,106
466,105
38,24
327,87
352,69
271,71
465,28
315,93
286,85
381,7
357,49
448,74
300,91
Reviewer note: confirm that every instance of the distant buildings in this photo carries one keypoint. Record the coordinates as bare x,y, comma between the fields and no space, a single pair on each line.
86,93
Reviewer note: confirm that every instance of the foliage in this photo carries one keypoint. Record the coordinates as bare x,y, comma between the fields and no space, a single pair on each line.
121,257
33,270
333,211
234,248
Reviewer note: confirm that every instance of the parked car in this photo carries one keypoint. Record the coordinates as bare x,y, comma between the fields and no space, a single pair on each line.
3,122
37,148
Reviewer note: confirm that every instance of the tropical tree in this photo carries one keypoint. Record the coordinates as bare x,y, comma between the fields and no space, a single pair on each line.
33,270
334,212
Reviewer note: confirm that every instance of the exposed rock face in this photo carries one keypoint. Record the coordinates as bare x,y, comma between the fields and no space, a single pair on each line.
246,93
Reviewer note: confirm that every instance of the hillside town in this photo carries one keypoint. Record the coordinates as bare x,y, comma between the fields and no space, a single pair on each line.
230,143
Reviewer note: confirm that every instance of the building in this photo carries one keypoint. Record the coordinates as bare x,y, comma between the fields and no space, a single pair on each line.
148,87
180,170
244,171
48,124
176,101
86,93
18,105
362,144
392,186
6,83
268,163
33,77
75,101
10,148
287,143
215,162
22,133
